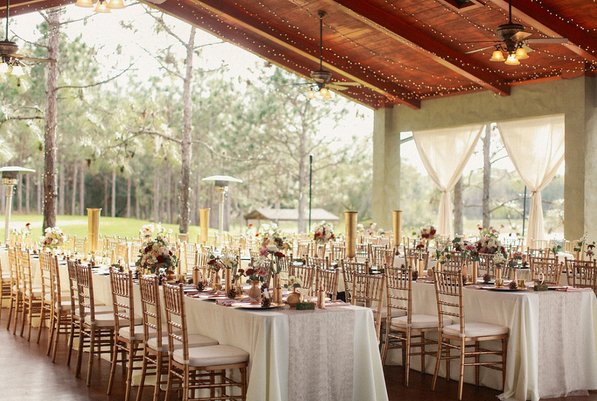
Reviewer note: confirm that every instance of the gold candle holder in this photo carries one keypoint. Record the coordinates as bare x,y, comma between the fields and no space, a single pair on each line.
350,227
204,223
396,227
93,215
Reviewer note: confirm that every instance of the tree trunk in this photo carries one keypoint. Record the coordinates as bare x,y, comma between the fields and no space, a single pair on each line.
61,187
73,200
156,198
302,181
27,193
19,194
128,196
458,208
186,148
486,175
51,120
38,189
106,194
82,190
169,197
113,205
137,209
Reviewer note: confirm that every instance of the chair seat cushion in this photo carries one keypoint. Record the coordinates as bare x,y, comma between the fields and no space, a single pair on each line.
126,333
418,321
472,329
99,310
212,355
195,340
101,320
395,313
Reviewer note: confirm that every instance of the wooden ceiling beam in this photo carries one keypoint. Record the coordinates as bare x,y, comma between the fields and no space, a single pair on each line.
290,62
402,31
18,7
550,24
293,43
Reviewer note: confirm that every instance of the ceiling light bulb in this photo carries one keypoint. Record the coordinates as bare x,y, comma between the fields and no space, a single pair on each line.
116,4
497,55
3,68
310,94
18,70
84,3
521,53
102,7
325,94
512,60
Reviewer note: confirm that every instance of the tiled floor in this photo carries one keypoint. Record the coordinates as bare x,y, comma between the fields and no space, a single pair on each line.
26,374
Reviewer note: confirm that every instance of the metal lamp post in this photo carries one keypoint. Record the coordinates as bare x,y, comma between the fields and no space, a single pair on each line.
9,180
222,182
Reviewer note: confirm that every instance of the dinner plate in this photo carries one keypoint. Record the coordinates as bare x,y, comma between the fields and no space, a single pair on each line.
206,297
246,305
503,289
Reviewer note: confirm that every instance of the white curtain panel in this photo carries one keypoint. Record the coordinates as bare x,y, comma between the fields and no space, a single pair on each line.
444,153
536,147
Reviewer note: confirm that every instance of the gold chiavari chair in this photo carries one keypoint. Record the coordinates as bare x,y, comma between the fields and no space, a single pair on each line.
349,268
381,256
318,263
318,250
338,252
6,286
448,290
327,280
549,268
538,252
96,329
128,334
368,291
403,327
46,291
361,252
196,368
80,245
582,273
453,264
303,249
486,265
60,320
16,297
31,295
305,274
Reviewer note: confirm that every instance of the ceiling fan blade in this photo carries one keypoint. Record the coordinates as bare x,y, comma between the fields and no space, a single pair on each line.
335,87
33,59
548,41
479,50
341,83
520,36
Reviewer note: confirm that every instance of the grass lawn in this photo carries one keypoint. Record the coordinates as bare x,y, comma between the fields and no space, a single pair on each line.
77,225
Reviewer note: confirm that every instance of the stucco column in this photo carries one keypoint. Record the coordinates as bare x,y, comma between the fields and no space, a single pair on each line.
590,159
386,167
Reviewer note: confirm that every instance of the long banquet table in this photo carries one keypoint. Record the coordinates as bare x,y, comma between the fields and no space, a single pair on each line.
552,350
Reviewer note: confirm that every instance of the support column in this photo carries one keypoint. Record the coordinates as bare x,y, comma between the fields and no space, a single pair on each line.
386,167
590,159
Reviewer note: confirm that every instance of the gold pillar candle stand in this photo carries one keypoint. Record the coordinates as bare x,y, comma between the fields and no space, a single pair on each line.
93,215
475,272
204,223
396,227
350,227
228,280
421,267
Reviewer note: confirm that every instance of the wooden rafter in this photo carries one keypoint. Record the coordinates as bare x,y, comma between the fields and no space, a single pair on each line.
402,31
532,14
336,62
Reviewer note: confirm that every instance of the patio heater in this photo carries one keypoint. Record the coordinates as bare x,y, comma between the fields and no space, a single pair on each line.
222,182
9,180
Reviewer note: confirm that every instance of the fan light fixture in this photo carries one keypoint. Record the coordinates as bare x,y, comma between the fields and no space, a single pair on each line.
101,6
9,65
513,56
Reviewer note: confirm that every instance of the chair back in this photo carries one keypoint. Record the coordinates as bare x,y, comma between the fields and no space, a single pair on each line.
305,274
454,264
151,308
361,252
486,264
73,287
318,263
327,280
121,284
448,292
548,267
13,266
582,273
302,249
368,291
338,252
85,296
399,291
381,256
25,274
176,319
47,295
349,268
56,291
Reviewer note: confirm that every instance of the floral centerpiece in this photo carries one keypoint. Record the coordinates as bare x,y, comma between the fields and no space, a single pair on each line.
227,262
324,233
590,250
427,233
53,237
489,242
156,256
259,271
148,231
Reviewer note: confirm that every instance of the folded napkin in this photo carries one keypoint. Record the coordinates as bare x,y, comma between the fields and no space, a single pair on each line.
225,302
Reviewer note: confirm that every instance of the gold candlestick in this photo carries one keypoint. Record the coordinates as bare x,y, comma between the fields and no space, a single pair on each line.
350,223
204,223
93,215
396,227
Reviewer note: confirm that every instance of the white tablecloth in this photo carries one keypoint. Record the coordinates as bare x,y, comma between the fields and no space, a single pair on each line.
552,349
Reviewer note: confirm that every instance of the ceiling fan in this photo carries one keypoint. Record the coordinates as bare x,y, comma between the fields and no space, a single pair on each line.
10,60
322,79
514,41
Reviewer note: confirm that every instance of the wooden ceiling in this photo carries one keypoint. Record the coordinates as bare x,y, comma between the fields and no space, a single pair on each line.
400,51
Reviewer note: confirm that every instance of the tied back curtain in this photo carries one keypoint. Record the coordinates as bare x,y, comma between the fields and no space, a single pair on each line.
536,148
444,153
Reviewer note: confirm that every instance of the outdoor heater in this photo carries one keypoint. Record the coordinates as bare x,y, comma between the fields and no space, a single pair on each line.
9,180
222,182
